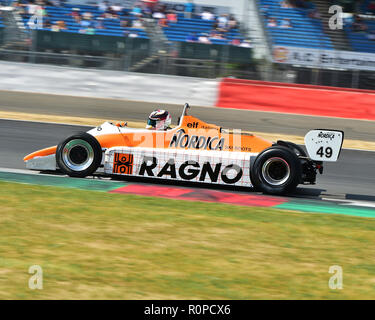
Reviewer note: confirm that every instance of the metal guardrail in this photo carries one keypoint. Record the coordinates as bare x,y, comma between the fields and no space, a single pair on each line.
163,64
62,59
203,68
355,79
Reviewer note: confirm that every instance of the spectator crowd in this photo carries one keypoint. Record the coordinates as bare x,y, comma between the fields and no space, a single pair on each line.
165,14
87,22
307,7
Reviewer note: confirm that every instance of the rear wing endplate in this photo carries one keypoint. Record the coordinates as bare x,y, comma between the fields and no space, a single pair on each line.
324,144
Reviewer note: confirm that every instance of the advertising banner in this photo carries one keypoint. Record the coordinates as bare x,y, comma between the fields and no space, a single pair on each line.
324,58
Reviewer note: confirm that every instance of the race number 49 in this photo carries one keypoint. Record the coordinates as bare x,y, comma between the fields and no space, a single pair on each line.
324,145
327,152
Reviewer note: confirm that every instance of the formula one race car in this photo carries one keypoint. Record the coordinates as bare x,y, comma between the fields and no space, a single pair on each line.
194,151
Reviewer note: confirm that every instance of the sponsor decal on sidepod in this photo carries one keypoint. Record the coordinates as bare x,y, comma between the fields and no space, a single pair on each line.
190,170
123,163
183,140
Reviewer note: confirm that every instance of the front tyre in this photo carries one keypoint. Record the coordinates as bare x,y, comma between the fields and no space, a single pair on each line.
79,155
277,170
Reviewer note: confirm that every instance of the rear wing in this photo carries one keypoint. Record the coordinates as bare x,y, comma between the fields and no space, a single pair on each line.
324,144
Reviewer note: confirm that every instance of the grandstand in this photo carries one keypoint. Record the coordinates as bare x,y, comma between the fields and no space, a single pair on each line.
310,32
130,37
180,30
305,31
363,41
302,29
167,39
175,31
360,41
112,27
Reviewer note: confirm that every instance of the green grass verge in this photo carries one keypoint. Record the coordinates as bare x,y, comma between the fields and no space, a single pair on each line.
94,245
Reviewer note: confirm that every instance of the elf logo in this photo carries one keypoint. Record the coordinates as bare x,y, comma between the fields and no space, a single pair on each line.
193,125
183,140
190,170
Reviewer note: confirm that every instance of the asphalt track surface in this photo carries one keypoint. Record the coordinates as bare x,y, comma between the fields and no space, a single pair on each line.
352,177
228,118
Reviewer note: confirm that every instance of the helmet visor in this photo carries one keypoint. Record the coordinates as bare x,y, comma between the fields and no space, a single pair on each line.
151,123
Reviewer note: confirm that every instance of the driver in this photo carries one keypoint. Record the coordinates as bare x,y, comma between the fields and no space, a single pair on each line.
159,120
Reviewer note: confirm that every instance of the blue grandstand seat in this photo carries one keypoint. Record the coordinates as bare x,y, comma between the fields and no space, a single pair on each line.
112,26
175,32
305,32
180,30
364,7
359,41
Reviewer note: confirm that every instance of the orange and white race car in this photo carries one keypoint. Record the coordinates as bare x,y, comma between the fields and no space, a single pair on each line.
193,151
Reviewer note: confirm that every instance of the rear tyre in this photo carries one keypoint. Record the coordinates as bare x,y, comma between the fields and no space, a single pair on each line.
79,155
298,150
277,170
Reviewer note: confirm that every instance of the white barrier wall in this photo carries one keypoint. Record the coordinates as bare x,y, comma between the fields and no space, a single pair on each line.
107,84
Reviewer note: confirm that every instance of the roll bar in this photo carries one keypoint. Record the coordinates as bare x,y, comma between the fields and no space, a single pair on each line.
184,113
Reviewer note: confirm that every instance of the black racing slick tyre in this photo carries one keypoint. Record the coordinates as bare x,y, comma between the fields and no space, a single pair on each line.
295,147
277,170
80,155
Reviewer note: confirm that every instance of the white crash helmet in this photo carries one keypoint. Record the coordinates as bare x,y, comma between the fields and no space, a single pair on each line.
159,120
